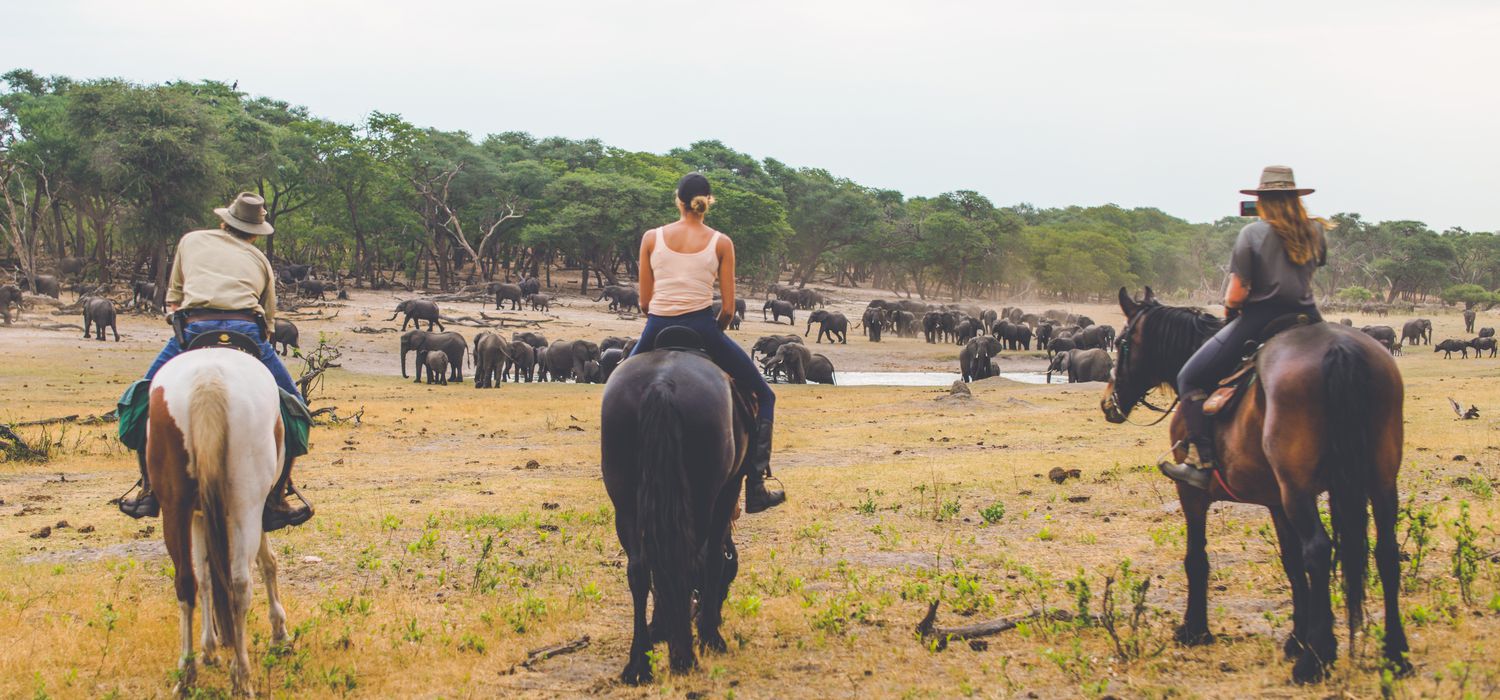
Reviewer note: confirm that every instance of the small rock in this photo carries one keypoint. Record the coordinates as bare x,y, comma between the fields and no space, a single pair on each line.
959,388
310,559
416,500
145,532
486,492
548,527
550,506
86,529
978,644
42,534
1078,499
1059,475
1460,458
338,461
60,525
533,464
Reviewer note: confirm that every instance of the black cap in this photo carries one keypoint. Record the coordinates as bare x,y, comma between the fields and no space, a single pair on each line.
693,185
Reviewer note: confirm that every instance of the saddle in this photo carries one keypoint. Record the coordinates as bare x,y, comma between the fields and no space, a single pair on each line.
224,339
1244,376
684,339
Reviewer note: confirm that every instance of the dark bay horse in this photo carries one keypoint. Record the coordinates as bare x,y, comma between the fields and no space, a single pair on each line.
1325,414
672,444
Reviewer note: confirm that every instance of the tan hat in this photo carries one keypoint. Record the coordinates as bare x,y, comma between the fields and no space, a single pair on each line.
1277,178
247,213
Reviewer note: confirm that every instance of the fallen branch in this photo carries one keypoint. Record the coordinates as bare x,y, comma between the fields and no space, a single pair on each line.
536,656
367,329
335,419
930,632
467,321
75,418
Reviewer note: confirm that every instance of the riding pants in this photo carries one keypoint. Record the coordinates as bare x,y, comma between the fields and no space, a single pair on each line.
1223,352
268,356
727,354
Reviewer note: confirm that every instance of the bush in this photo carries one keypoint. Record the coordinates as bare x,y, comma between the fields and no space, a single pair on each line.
1356,294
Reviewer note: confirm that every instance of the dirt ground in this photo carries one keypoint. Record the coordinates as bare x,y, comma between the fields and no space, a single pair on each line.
459,528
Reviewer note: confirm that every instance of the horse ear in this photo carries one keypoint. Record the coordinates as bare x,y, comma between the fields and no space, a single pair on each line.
1127,304
1150,296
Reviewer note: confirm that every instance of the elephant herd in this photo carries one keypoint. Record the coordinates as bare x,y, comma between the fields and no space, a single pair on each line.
526,356
786,359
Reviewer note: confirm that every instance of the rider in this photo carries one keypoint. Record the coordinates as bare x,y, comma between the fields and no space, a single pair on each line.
1270,276
222,282
677,290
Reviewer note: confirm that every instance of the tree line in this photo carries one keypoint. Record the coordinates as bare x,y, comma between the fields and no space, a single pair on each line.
111,173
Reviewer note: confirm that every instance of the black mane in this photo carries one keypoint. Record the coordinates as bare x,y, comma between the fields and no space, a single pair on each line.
1174,333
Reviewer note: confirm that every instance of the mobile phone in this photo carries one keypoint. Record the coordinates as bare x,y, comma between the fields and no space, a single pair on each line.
1248,208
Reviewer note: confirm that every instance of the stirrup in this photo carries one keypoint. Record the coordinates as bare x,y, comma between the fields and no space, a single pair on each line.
146,506
273,519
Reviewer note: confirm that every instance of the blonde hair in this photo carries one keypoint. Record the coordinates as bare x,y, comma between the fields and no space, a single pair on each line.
1284,212
699,205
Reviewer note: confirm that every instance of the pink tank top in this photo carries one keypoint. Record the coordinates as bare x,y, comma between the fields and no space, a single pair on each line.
684,281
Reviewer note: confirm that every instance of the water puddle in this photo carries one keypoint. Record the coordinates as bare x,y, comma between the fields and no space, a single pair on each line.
925,378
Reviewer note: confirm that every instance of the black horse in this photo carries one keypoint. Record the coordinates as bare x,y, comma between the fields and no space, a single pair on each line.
672,443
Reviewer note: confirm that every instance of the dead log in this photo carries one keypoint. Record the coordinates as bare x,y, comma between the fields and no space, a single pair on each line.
928,630
367,329
540,654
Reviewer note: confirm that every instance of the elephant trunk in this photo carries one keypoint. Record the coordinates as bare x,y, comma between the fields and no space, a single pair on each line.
394,315
403,363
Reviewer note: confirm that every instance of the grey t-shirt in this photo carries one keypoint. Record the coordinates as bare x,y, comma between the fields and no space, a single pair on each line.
1260,261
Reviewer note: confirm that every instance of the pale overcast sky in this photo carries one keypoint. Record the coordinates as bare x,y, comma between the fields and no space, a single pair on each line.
1388,108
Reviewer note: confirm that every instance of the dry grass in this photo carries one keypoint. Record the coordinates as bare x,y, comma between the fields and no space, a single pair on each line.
437,558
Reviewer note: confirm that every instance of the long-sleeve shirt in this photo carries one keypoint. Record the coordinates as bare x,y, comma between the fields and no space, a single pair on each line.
214,269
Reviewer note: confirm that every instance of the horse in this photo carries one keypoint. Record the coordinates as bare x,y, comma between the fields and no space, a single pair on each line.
1324,415
213,454
672,442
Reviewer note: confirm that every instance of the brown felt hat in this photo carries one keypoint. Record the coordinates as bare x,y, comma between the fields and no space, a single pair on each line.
1277,178
247,213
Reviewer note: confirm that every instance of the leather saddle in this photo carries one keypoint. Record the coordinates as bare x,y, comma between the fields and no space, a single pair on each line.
1244,376
224,339
684,339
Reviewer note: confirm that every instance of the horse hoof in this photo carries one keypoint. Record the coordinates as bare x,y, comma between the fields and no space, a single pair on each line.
1193,637
636,673
1292,648
1308,669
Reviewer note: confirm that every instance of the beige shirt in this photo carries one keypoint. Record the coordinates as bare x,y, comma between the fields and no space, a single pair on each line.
684,281
215,270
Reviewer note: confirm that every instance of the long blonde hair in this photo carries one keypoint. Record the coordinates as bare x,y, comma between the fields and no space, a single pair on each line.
1283,211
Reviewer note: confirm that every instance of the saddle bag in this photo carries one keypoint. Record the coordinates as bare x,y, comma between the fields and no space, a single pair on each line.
135,405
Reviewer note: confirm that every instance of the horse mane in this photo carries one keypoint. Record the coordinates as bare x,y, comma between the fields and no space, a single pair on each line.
1176,333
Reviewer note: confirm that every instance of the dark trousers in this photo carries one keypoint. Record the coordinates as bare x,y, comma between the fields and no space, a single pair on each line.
726,353
268,356
1223,352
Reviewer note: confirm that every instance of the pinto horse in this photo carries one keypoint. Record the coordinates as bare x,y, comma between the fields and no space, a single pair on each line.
213,455
1325,414
672,443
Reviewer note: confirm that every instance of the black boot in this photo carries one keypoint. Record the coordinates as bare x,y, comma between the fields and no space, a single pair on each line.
1199,438
757,468
278,513
144,505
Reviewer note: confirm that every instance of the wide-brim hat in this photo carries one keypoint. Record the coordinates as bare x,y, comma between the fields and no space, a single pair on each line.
247,213
1277,178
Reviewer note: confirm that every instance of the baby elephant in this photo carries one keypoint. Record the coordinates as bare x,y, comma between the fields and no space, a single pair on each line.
101,313
540,302
437,368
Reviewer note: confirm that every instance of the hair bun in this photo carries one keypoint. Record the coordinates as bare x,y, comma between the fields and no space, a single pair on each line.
701,203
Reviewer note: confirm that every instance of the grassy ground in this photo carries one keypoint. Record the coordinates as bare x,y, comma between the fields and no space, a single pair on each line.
457,529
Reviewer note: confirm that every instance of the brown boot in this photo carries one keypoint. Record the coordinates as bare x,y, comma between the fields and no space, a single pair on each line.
144,505
757,468
278,513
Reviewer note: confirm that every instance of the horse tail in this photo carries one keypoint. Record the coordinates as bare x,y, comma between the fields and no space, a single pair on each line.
208,424
1348,464
666,517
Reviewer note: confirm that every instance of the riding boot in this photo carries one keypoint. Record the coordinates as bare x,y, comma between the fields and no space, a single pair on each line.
1199,438
757,468
278,513
144,505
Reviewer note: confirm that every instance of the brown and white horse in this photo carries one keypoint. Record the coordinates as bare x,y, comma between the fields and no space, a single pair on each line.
213,454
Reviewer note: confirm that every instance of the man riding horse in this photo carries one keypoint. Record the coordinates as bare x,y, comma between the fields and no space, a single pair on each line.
222,282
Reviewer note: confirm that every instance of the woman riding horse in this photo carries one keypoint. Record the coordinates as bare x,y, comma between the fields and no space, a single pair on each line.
1270,276
224,283
677,290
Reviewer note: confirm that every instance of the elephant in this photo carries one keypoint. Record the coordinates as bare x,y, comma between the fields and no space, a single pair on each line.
794,360
1469,320
9,294
425,342
779,308
913,307
1448,347
489,359
1487,332
315,288
630,299
1080,320
768,344
621,297
1043,334
539,302
504,292
592,373
143,292
830,323
932,326
1093,365
285,333
520,361
418,310
100,312
1059,345
44,285
1030,319
966,330
291,274
566,358
1091,337
1017,336
820,370
873,321
530,286
974,360
541,363
1415,331
1385,335
72,267
535,340
437,368
904,323
739,313
1481,344
609,360
1348,322
613,342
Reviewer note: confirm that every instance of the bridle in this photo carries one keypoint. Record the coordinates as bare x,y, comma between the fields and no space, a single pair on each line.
1122,359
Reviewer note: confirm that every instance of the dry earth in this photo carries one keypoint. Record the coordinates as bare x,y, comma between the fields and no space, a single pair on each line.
459,528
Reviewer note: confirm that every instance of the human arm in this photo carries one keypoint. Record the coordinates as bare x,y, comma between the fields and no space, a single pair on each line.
174,285
648,278
268,300
1234,297
726,282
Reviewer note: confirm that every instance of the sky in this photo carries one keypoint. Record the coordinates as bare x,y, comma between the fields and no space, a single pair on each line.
1386,108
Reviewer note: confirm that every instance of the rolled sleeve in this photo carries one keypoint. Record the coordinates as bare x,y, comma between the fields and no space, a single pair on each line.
174,288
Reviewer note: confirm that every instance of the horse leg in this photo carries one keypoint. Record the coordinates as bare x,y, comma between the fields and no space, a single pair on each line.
210,636
720,565
1194,628
1296,575
266,558
245,539
1388,561
1319,647
638,668
177,530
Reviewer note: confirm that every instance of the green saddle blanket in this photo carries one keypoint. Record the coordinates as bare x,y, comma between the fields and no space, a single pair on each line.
135,404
